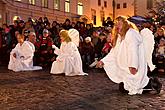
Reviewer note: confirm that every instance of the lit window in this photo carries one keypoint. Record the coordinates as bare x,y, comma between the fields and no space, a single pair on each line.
80,8
57,4
45,3
124,5
118,6
32,2
105,4
67,5
99,2
149,4
93,12
102,16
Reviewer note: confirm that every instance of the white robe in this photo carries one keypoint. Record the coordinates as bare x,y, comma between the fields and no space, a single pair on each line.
24,58
68,60
128,53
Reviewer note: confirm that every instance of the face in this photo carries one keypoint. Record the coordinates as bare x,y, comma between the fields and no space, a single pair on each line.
61,37
67,22
88,27
16,33
87,41
119,25
20,39
32,38
160,32
108,39
45,34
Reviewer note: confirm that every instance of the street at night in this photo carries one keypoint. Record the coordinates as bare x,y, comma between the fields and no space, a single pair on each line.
39,90
82,54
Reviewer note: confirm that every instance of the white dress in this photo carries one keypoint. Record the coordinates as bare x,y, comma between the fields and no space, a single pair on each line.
128,53
24,58
68,60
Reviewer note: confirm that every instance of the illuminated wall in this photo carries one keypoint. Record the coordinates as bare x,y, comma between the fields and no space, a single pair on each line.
99,10
124,7
142,7
23,8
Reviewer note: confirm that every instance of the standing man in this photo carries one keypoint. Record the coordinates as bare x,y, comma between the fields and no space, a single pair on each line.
126,63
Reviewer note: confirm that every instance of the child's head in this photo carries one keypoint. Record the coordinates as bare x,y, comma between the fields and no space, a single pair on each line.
160,31
64,36
20,38
162,42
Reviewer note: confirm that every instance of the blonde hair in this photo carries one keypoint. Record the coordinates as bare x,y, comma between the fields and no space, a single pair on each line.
64,34
125,27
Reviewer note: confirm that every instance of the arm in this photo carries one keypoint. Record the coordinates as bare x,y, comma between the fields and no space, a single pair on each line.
57,50
133,51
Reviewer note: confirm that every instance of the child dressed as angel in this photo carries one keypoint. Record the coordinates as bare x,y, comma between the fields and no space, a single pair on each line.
69,59
21,57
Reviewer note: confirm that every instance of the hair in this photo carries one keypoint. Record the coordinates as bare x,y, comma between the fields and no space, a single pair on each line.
65,35
125,27
32,33
21,36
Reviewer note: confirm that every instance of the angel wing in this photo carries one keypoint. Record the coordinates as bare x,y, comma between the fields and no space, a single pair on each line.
74,35
148,41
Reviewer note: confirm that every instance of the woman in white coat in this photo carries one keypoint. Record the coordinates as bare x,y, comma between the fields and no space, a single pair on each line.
126,63
68,60
21,57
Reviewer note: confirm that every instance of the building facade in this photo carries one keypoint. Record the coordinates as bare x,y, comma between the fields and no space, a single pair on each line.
98,11
90,11
143,7
57,10
124,8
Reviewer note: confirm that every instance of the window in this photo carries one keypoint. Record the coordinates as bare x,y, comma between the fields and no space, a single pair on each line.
124,5
57,4
93,12
149,4
99,2
32,2
80,8
102,16
67,5
18,0
105,4
118,6
45,3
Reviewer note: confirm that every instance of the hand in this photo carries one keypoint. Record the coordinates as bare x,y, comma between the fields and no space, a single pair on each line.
14,55
53,46
100,64
133,70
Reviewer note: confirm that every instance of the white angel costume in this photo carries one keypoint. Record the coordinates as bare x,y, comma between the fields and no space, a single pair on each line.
24,57
148,40
127,53
69,59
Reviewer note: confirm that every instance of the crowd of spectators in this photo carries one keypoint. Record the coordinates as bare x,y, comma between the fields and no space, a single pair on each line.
95,42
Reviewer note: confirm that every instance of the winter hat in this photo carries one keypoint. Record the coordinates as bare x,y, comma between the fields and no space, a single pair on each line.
88,38
45,31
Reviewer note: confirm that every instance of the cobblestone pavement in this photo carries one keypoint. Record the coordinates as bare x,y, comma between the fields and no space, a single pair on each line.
38,90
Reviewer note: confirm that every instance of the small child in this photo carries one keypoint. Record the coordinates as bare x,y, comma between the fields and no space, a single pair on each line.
161,48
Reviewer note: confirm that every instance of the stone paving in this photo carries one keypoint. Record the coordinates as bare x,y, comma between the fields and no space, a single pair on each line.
39,90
